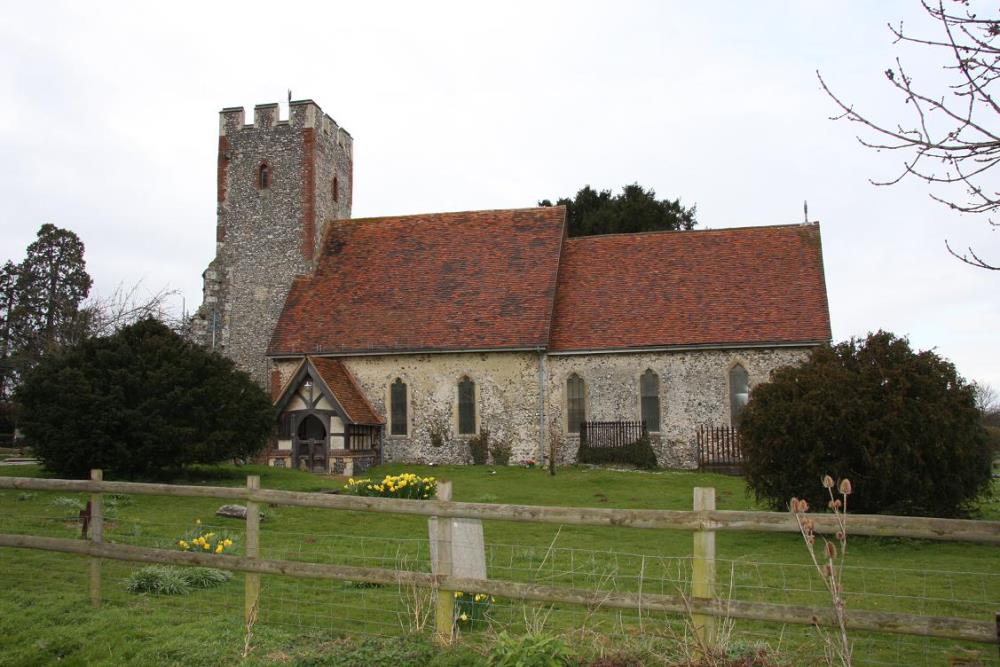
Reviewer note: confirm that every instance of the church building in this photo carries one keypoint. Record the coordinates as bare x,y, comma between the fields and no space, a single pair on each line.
400,338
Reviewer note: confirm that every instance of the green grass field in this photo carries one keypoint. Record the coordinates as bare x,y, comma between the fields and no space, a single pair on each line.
45,617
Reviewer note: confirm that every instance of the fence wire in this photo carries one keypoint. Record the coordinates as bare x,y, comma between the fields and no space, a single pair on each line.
323,609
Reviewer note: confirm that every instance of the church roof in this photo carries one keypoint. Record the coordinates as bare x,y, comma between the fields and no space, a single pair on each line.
724,287
504,280
482,280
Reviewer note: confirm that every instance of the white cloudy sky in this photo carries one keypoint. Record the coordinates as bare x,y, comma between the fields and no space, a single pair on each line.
108,127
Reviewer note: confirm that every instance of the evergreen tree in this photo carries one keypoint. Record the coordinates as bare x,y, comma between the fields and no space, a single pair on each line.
140,401
636,209
52,283
903,426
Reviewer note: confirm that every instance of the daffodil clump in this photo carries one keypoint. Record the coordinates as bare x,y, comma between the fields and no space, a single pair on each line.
201,541
406,485
471,609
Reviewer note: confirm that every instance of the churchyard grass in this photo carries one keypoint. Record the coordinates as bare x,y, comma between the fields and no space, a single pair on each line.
45,615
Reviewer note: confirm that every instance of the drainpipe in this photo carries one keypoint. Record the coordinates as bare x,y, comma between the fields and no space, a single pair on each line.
541,405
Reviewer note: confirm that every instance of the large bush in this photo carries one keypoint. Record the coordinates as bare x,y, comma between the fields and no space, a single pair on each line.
140,401
902,425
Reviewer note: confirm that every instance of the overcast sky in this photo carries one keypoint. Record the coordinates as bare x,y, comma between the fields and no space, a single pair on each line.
108,126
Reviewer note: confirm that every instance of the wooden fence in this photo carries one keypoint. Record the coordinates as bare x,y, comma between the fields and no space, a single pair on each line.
451,566
611,434
719,448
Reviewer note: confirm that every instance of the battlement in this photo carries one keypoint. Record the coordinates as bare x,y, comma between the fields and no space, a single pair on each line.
266,117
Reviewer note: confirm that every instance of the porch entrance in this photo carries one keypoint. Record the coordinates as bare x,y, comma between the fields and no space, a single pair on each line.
311,446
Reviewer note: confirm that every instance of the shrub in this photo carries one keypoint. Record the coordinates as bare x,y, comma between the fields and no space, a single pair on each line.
205,577
640,454
140,401
157,580
902,425
500,451
167,580
406,485
531,650
479,447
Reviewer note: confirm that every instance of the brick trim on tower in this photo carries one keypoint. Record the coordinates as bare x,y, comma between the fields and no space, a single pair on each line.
308,192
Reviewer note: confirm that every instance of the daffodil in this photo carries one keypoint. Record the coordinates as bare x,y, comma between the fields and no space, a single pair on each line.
464,616
218,548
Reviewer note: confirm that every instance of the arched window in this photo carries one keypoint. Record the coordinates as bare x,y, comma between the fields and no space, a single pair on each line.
739,393
397,408
263,176
335,187
649,392
466,406
576,404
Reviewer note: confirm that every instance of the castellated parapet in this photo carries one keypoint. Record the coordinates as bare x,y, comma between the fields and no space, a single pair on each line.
279,182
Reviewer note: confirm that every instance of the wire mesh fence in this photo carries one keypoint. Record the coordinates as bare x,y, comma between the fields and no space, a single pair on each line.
327,609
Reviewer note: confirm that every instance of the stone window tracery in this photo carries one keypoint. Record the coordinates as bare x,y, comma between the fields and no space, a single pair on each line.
397,408
466,407
264,176
649,391
739,393
576,404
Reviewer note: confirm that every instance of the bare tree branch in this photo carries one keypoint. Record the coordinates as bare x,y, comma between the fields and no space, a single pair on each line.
953,139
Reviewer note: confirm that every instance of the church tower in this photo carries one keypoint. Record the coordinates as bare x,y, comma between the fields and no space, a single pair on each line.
279,181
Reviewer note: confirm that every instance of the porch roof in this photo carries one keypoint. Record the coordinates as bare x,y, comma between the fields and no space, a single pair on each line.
339,383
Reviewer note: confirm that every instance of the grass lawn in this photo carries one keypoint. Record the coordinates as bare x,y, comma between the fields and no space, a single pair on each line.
44,615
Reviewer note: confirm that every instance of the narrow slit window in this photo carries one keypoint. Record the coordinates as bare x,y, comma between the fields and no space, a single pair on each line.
335,188
649,389
466,407
264,176
576,405
397,398
739,393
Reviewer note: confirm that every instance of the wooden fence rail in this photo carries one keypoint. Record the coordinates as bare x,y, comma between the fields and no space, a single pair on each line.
702,606
958,530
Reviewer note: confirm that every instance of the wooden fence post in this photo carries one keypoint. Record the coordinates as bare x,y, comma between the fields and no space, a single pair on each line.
441,564
703,567
251,604
96,536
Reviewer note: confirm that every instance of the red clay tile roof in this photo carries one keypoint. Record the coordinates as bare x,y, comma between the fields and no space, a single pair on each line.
344,387
750,285
446,281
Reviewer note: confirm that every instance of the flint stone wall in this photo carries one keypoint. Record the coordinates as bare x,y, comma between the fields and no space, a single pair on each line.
694,390
267,237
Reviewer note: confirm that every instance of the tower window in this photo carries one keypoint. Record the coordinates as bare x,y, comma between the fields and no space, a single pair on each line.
576,405
397,399
335,187
263,176
466,406
649,389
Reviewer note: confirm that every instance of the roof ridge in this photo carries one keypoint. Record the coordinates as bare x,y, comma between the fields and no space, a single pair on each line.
814,223
444,213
